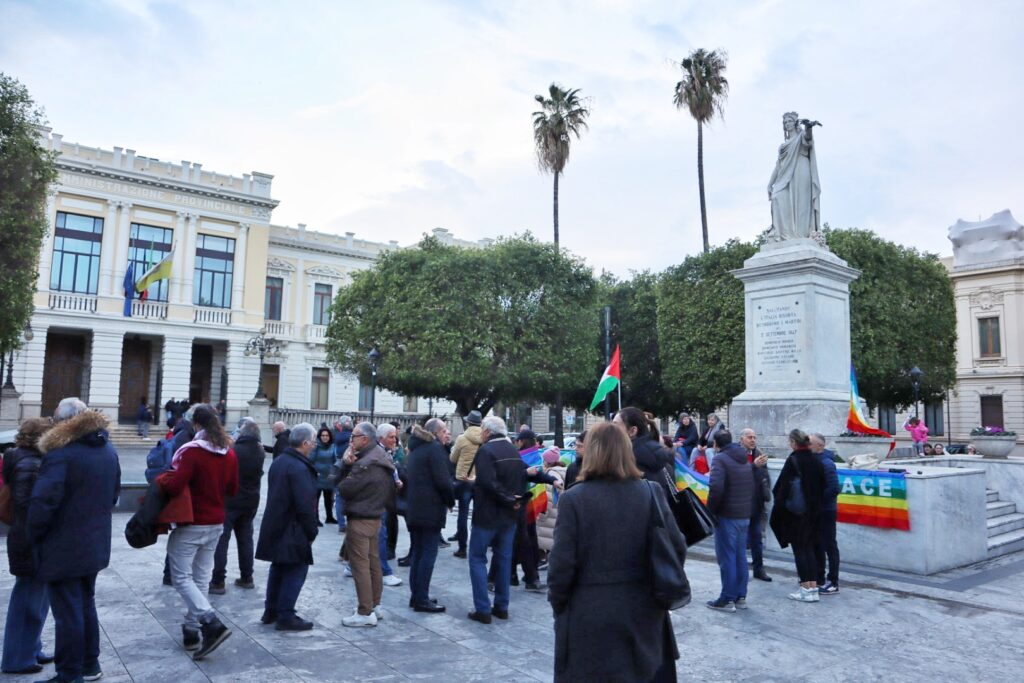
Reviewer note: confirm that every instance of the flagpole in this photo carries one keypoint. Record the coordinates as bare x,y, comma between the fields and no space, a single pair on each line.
608,357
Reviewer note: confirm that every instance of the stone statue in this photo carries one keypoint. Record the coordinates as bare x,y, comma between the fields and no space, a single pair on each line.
977,243
794,189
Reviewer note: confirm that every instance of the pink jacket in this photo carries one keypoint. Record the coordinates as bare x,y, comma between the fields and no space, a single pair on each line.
918,434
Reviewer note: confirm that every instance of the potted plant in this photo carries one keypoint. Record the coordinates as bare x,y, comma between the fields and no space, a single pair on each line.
993,442
851,443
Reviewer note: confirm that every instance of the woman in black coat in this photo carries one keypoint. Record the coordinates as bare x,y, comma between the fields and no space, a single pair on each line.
607,625
651,456
792,526
687,435
26,612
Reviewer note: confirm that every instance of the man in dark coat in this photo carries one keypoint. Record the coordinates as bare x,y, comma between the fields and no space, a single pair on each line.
498,496
69,521
240,510
281,435
730,495
429,498
762,494
826,547
289,528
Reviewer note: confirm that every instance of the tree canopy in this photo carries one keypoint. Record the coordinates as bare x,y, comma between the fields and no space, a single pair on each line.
516,321
26,171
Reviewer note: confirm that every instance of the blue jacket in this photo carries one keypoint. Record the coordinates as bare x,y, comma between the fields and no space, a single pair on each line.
289,524
69,515
829,501
323,458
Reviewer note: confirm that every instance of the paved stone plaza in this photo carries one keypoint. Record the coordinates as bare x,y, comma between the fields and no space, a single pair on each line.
960,625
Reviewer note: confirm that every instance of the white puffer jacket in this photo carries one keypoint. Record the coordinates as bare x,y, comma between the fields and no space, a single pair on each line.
546,522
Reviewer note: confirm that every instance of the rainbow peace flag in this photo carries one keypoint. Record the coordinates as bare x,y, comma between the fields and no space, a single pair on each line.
855,421
538,502
872,498
691,479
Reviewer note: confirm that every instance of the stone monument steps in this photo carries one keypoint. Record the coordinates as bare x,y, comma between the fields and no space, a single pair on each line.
126,436
1007,543
991,496
998,508
1004,523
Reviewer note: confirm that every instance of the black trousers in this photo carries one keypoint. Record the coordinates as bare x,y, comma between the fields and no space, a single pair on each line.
806,564
392,521
827,549
525,551
328,496
239,522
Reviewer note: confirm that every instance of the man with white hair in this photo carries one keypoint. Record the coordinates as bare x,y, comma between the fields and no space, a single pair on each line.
280,431
762,495
69,522
368,487
289,528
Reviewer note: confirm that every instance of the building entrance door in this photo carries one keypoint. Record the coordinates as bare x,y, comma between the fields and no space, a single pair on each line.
202,374
63,369
136,360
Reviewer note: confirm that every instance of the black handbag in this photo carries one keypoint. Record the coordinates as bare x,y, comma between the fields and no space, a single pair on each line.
692,518
669,585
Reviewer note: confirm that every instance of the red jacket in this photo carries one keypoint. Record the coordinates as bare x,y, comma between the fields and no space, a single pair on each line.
210,478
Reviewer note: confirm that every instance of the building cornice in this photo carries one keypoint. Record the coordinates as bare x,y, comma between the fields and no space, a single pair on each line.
309,246
173,185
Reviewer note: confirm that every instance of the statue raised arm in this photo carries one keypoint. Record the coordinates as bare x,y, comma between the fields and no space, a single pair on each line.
794,189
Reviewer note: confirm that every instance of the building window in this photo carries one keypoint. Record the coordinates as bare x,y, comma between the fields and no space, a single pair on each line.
320,390
887,419
988,336
321,304
410,404
76,253
365,398
992,411
274,296
148,246
215,264
933,417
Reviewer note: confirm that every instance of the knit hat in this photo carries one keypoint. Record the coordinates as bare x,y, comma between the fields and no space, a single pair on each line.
474,418
552,455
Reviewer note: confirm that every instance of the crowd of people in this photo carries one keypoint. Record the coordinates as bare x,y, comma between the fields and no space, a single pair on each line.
584,521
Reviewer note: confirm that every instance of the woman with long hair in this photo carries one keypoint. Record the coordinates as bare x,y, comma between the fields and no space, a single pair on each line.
607,624
799,496
651,456
323,458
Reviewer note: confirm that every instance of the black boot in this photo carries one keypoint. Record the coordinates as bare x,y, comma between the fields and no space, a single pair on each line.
214,633
189,638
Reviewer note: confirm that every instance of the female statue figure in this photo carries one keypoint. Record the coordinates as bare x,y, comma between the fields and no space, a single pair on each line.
794,189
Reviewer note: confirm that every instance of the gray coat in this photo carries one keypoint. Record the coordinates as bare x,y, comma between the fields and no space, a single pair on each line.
607,626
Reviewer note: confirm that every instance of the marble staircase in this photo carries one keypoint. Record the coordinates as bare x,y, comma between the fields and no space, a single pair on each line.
1005,526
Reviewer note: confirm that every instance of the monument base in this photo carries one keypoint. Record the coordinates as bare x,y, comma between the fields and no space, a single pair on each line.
773,419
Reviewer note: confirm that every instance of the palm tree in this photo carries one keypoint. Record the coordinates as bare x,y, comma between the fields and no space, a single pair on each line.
703,91
562,115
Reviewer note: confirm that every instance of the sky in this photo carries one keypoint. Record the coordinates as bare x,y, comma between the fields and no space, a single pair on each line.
388,119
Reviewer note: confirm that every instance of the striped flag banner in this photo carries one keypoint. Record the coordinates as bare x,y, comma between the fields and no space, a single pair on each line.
873,498
538,502
687,478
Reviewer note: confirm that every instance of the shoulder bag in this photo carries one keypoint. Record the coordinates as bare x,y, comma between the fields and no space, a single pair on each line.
669,585
795,501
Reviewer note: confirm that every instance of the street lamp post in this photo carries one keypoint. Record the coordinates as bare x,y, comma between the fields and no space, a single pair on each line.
28,336
374,358
263,347
915,381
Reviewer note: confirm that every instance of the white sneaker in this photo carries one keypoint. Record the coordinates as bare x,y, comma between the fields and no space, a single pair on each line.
378,612
391,580
356,620
805,595
347,571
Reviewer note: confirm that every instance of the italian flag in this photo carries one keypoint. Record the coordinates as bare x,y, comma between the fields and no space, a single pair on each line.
609,380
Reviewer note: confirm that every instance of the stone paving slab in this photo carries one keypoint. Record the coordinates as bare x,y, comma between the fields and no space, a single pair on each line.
965,624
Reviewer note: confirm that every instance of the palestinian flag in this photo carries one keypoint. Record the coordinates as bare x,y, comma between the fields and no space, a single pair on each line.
609,380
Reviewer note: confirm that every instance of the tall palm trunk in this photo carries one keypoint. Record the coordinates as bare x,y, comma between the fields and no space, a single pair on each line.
700,184
556,207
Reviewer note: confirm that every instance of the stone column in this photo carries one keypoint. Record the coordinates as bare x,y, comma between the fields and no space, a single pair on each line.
181,243
123,236
238,276
46,251
105,372
259,410
107,282
177,369
190,260
243,373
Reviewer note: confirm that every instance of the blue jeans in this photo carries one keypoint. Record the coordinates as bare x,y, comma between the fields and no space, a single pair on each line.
339,510
73,603
755,539
422,556
283,587
731,553
26,614
382,546
479,541
463,494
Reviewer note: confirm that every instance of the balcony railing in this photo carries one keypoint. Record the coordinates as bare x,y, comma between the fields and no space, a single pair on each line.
278,329
82,303
212,316
151,310
316,334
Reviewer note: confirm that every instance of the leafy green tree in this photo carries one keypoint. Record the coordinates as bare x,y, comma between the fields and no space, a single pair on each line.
902,314
516,321
26,171
562,115
700,328
703,91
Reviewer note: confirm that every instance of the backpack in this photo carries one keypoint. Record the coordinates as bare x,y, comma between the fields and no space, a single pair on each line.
159,459
795,501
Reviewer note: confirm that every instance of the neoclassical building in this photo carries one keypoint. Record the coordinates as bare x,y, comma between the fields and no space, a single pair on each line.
233,274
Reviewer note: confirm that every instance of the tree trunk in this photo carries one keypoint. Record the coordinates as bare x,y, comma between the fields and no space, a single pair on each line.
556,208
700,184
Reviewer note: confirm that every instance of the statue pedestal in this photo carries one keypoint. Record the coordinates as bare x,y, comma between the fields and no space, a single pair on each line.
10,408
259,410
797,325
